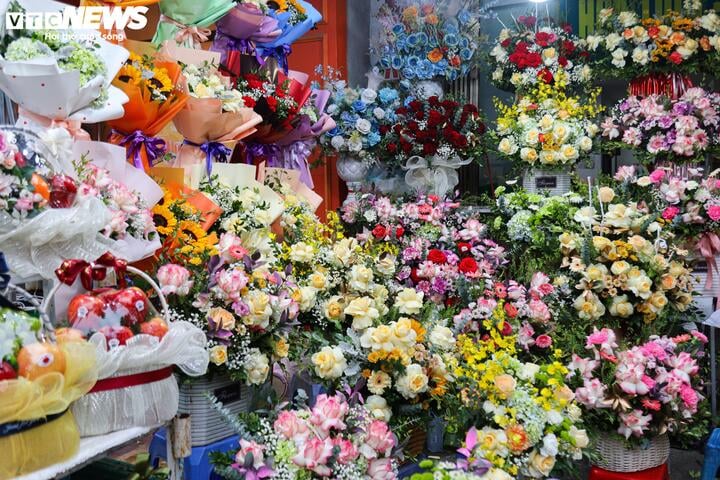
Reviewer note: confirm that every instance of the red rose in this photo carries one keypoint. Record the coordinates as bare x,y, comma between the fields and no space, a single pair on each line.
272,103
506,329
653,32
505,43
455,61
399,231
429,149
451,301
464,248
543,39
433,198
468,265
568,46
675,58
528,21
419,115
254,83
437,256
406,146
249,101
567,28
435,118
379,231
413,126
392,147
545,75
414,276
533,60
562,61
510,310
416,105
384,129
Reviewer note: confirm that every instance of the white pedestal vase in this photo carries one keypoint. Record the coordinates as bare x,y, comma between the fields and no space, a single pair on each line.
354,172
429,88
433,175
616,457
553,182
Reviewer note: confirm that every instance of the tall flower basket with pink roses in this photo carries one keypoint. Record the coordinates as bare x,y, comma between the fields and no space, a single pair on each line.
634,396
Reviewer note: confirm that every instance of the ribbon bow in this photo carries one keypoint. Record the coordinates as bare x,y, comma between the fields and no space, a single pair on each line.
295,157
279,53
89,272
709,246
226,43
269,151
154,146
74,127
196,35
437,175
212,150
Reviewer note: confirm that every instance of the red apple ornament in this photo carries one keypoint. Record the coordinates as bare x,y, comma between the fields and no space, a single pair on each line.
157,327
132,304
85,312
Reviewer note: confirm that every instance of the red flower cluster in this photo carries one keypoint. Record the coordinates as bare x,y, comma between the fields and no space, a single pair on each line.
381,231
524,58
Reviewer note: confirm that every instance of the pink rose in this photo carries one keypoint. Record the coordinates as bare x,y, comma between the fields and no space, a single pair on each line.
713,212
174,279
539,311
329,412
379,440
543,341
313,454
231,281
255,449
670,212
700,336
381,469
657,176
289,426
347,450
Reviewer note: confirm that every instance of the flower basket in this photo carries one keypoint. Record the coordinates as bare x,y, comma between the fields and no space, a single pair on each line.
136,385
671,84
555,183
206,424
616,457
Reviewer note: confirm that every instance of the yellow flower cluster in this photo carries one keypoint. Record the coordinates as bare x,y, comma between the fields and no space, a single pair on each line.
139,70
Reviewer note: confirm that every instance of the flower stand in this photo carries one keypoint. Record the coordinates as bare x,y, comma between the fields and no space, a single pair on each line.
658,473
197,466
554,183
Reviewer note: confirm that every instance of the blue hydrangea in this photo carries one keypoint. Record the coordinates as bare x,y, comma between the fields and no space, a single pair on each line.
373,138
388,95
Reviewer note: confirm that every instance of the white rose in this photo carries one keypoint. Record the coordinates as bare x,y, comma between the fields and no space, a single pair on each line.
329,363
497,74
413,382
612,41
308,297
258,303
507,146
378,408
344,250
355,145
640,55
550,445
257,367
378,113
363,126
302,252
337,142
618,57
585,144
627,19
368,95
363,312
386,265
442,337
593,41
409,301
579,437
360,278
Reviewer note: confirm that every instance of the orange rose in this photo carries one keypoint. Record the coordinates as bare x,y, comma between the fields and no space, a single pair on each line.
435,55
410,13
628,33
705,44
505,385
432,19
677,38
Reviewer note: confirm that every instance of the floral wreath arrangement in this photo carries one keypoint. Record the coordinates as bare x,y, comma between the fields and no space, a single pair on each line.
628,46
659,129
530,53
547,128
336,438
422,42
639,392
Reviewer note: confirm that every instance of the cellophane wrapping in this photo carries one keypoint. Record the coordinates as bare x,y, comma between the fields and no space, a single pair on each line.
51,394
147,404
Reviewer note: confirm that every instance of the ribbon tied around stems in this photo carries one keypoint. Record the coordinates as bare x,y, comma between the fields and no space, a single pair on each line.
224,43
88,272
709,246
74,127
269,151
436,175
195,34
279,53
133,142
212,150
295,157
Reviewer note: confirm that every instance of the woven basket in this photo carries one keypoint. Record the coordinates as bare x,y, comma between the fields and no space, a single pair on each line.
554,183
616,457
416,442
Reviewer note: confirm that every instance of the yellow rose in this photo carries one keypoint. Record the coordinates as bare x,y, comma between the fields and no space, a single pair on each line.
546,122
360,278
334,308
564,394
668,282
329,362
363,312
413,382
596,273
540,466
202,91
505,385
222,318
378,338
386,265
606,194
409,301
282,348
218,354
658,300
560,132
620,267
549,55
569,152
548,157
404,335
301,252
621,307
491,440
318,280
529,155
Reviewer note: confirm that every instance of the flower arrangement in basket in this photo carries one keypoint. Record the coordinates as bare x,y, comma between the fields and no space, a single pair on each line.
431,139
136,348
648,49
424,41
530,53
659,129
39,378
336,438
638,393
548,129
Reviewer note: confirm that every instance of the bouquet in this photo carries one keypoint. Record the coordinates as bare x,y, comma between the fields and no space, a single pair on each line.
186,22
239,30
530,53
154,100
421,42
642,391
433,138
658,129
333,439
79,71
628,46
548,129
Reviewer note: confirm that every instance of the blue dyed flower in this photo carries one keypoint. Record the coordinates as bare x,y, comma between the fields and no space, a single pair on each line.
398,28
425,69
347,117
359,106
452,74
464,42
408,73
451,27
451,40
385,61
373,138
412,40
412,61
335,131
464,16
466,54
422,38
396,62
388,95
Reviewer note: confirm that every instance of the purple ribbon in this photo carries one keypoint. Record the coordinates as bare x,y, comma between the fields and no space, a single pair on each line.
224,43
269,151
279,53
211,150
295,157
133,143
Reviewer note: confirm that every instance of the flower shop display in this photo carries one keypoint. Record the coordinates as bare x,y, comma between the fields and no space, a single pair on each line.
431,139
336,438
240,29
185,23
422,42
657,54
79,72
548,130
136,348
639,393
151,84
39,379
662,131
533,52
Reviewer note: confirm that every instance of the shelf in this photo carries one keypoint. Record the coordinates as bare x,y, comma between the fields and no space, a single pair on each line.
91,449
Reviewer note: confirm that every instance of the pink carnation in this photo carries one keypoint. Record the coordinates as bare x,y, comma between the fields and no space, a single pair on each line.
670,212
713,212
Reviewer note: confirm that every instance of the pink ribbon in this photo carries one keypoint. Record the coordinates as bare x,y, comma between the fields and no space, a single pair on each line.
709,246
74,127
196,34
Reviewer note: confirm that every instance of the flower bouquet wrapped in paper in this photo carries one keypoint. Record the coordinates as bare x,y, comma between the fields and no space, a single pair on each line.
57,81
150,82
216,114
186,22
136,348
39,380
43,219
243,26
